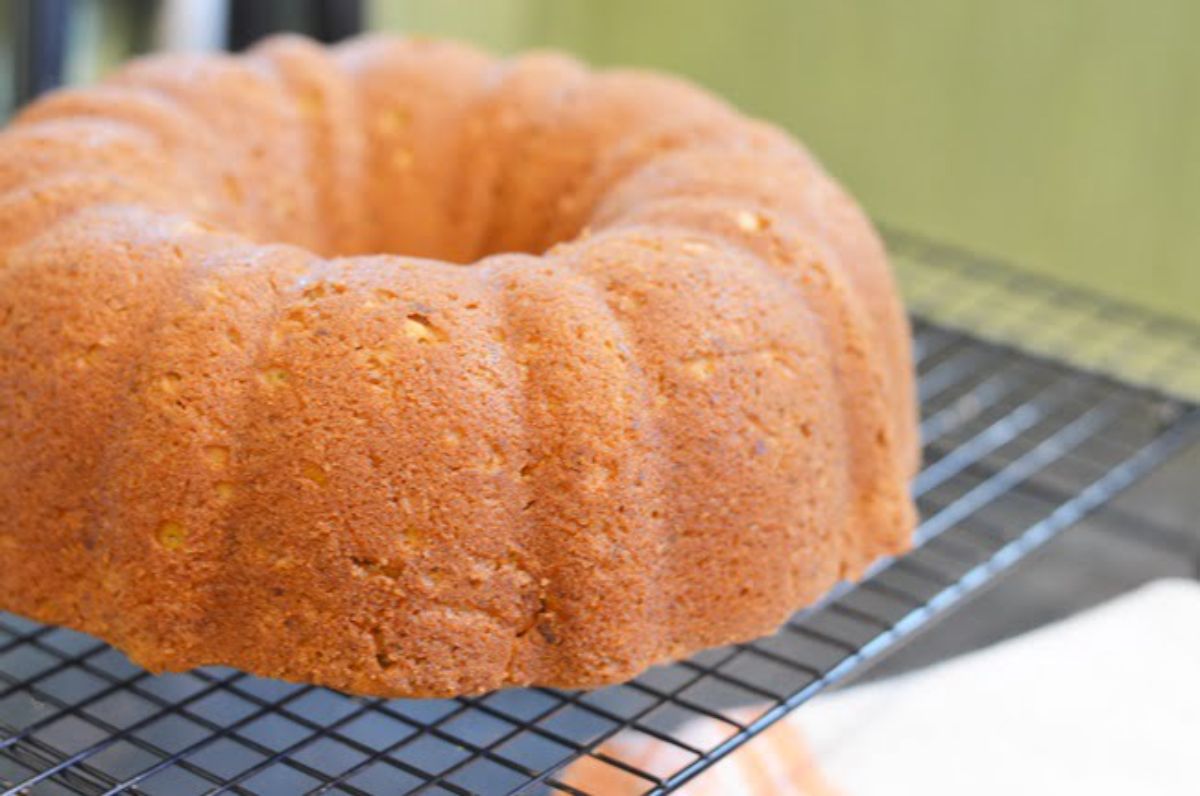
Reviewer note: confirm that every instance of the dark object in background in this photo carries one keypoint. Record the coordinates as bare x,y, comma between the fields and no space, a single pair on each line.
337,19
40,32
325,20
40,38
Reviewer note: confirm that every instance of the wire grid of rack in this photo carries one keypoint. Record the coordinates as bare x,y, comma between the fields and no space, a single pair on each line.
1017,448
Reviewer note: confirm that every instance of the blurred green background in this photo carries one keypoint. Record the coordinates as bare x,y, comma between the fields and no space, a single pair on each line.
1063,136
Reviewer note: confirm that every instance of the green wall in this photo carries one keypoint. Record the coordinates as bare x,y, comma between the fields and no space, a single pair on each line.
1063,134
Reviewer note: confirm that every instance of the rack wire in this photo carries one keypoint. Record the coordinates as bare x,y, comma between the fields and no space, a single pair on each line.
1017,448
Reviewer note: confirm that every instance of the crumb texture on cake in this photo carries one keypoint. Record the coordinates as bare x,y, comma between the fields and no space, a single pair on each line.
405,370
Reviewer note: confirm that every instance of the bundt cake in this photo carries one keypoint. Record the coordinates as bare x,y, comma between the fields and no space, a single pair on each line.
406,371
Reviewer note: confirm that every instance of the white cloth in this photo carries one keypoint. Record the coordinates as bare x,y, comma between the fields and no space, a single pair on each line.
1105,702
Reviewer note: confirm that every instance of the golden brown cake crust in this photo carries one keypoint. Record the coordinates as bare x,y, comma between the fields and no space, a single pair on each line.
667,403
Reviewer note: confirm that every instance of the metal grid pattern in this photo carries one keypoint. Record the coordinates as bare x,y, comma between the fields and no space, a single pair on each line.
1016,448
968,291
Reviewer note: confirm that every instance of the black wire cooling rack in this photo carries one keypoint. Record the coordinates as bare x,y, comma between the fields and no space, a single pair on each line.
1017,448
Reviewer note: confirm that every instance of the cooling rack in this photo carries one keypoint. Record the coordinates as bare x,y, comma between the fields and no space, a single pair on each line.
1017,448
